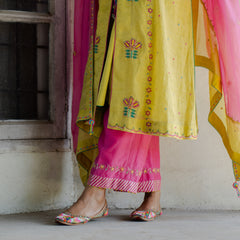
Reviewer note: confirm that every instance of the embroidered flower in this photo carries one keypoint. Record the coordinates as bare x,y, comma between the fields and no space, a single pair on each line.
149,79
97,41
133,44
149,68
148,101
149,124
150,56
148,113
149,90
130,107
149,22
150,10
132,48
130,102
149,33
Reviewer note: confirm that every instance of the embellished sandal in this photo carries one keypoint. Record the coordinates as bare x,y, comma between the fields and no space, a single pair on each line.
145,215
69,219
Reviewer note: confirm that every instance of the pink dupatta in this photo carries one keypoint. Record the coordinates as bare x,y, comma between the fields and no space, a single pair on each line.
223,44
83,15
225,18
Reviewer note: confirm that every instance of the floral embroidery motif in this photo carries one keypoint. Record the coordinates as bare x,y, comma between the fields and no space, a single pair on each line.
149,124
148,113
148,101
97,41
130,107
149,88
149,22
126,170
150,10
132,48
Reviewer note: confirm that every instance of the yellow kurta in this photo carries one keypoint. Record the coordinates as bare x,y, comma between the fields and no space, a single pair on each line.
150,65
150,68
152,88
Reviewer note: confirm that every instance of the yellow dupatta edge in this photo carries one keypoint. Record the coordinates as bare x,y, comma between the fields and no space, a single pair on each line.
215,87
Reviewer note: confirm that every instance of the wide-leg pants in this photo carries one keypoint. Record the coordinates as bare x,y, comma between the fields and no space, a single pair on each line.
126,162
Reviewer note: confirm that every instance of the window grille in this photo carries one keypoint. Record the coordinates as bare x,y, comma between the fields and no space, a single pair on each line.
32,69
25,5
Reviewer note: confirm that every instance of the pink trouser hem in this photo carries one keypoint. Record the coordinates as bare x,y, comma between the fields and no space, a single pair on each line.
125,185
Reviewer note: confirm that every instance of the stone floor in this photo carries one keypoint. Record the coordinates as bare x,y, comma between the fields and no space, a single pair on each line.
173,224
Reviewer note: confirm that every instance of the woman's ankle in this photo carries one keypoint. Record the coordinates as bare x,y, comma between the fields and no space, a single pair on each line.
93,192
155,195
151,202
91,201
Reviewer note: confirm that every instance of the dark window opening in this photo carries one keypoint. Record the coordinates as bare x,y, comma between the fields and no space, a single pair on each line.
25,5
24,68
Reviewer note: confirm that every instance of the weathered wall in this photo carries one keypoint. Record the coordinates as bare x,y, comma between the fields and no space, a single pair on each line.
35,181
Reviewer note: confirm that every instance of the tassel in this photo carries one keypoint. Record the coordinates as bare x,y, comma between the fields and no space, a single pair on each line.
91,123
236,186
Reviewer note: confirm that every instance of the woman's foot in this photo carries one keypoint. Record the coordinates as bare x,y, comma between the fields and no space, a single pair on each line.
91,201
149,209
90,205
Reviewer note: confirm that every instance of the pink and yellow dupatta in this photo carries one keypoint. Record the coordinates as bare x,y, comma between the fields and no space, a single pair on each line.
81,46
84,16
217,47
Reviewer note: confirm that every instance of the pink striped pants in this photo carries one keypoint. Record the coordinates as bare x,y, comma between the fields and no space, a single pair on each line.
126,162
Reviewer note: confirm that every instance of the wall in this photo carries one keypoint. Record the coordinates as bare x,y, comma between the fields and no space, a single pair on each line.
35,181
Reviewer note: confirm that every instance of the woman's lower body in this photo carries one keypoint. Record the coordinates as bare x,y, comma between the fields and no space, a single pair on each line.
126,162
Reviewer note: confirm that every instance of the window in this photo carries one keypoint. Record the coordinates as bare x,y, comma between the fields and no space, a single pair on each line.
32,69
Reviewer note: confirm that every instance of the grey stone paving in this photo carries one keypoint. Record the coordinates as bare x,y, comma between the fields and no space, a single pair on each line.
173,224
